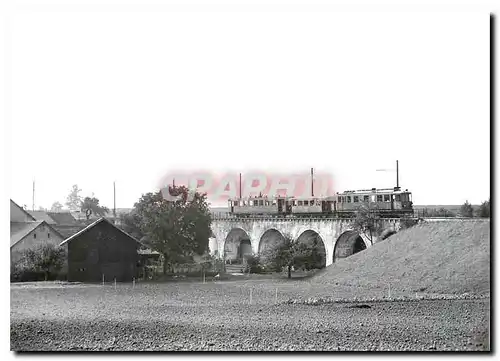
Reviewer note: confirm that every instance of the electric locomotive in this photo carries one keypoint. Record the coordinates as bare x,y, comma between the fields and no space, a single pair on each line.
387,202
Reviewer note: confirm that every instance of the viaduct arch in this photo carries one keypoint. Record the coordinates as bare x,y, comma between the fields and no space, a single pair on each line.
336,238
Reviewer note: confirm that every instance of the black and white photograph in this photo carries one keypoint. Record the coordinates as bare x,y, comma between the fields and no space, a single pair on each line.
248,176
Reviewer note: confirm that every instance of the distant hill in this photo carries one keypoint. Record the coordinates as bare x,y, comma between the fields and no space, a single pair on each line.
219,209
438,206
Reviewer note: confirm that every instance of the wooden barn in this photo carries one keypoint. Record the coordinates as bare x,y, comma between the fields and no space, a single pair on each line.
100,249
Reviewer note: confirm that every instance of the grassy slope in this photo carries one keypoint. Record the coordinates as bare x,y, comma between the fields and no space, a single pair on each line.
441,257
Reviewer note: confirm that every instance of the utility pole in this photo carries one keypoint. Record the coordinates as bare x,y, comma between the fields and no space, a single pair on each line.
240,186
397,174
114,200
392,170
33,206
312,182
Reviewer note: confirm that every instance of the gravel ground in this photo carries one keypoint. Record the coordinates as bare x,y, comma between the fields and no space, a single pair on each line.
203,317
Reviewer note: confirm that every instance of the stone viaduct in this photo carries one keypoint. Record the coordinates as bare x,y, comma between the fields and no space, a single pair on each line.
234,237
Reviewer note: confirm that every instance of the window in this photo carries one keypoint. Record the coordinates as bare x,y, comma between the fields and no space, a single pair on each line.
356,199
261,202
274,202
299,203
306,203
48,235
379,198
387,198
236,203
398,198
348,199
34,235
366,198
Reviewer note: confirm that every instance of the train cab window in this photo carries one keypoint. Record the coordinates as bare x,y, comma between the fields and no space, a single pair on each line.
398,197
387,198
348,199
261,202
366,198
236,203
379,198
356,199
299,203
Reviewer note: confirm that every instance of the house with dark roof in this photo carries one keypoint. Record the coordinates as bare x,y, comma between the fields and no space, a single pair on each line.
66,224
42,216
102,250
62,218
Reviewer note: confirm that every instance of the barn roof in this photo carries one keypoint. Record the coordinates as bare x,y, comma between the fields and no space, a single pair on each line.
42,216
62,217
22,209
92,225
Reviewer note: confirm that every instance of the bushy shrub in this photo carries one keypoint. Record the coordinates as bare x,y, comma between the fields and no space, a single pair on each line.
407,222
254,265
42,263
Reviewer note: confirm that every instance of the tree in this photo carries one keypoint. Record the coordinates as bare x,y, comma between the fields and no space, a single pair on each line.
466,210
484,209
367,221
176,229
91,206
289,254
56,207
74,200
130,223
45,258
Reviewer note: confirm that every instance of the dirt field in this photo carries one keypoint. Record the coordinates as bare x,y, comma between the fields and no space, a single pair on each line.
196,316
441,260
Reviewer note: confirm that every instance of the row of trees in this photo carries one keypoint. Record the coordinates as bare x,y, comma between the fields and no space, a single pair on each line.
466,210
75,202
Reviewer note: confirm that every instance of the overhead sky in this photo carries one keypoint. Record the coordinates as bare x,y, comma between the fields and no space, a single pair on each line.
97,97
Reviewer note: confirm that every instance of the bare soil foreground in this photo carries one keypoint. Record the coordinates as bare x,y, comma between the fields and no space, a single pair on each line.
378,299
190,316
